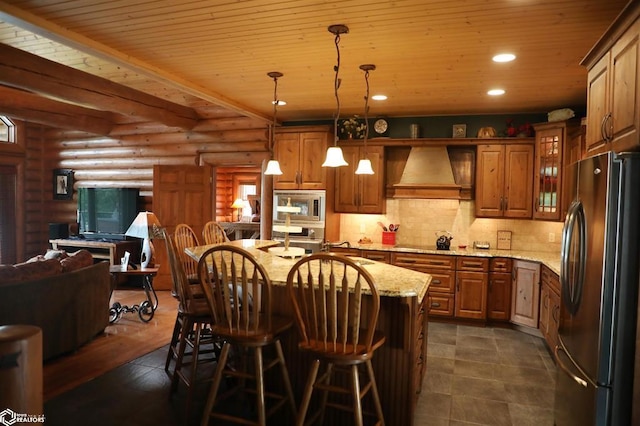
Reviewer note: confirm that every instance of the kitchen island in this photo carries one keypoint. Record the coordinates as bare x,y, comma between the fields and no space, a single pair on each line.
399,364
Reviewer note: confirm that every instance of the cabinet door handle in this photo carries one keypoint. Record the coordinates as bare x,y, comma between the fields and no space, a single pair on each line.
554,313
436,282
501,203
506,203
610,132
435,305
458,284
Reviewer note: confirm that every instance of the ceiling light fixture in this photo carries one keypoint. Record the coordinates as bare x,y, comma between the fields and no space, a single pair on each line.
504,57
496,92
273,167
379,97
364,165
334,156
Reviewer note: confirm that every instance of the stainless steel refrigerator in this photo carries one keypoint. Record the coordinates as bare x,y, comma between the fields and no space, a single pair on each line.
599,279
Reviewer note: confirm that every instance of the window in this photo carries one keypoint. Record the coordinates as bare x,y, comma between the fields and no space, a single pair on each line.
8,188
7,130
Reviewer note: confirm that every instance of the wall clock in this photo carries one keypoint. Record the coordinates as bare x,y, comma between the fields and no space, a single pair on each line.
380,126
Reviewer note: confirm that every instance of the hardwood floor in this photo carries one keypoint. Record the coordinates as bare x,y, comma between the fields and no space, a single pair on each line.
125,340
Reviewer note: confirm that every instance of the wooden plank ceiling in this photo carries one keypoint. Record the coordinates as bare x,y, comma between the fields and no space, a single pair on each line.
433,57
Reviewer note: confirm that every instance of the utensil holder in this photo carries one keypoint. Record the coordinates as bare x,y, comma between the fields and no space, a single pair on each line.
389,238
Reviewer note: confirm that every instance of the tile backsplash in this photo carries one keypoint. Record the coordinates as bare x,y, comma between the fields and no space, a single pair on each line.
421,219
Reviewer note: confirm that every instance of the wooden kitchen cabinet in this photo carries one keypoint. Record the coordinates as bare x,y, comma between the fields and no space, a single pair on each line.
440,297
549,306
525,293
613,84
300,152
472,280
360,193
499,292
551,139
504,181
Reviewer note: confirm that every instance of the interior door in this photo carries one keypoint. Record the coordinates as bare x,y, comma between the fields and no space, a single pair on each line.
181,194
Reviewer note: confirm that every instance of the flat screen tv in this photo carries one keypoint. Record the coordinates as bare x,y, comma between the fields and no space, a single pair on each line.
106,212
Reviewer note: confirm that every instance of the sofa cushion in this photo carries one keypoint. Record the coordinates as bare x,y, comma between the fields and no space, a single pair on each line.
80,259
29,271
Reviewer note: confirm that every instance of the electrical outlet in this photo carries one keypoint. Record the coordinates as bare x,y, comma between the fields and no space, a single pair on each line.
552,237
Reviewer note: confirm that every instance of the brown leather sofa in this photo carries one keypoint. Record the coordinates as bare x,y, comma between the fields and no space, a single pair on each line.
69,303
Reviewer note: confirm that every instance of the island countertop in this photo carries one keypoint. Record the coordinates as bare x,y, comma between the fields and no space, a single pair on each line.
391,281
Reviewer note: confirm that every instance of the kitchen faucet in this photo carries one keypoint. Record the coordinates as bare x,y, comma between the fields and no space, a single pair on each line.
327,245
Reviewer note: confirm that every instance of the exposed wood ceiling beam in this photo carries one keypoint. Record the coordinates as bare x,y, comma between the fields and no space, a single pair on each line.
34,108
35,74
45,28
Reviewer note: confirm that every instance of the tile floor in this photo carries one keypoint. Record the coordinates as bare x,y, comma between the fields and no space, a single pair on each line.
475,376
486,376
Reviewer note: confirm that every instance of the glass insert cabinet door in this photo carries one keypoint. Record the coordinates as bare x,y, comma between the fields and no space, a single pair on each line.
548,173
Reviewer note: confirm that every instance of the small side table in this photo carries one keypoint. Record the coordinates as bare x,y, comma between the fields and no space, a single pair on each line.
147,307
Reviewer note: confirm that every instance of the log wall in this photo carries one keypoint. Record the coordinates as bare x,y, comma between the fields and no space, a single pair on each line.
126,158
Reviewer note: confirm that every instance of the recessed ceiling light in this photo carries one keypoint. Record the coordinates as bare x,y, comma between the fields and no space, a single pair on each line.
379,97
504,57
495,92
280,102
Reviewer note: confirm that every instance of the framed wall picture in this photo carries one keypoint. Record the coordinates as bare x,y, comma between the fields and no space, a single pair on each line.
62,184
459,130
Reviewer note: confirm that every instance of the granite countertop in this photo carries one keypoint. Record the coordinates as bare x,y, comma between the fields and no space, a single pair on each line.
551,260
391,281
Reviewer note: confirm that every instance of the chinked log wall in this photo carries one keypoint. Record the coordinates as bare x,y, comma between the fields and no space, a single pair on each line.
126,158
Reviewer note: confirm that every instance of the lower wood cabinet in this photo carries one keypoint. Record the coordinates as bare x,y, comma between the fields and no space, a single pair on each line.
472,280
499,292
525,293
440,298
549,306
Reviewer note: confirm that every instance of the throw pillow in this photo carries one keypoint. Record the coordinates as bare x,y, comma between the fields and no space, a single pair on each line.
78,260
56,254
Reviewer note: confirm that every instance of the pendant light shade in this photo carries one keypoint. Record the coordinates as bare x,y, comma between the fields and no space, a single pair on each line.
334,153
334,158
273,167
364,167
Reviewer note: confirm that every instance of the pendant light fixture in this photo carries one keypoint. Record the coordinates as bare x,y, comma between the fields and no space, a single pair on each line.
364,165
273,167
334,153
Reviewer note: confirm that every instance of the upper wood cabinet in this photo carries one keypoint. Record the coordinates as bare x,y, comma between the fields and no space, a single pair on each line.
613,84
504,181
551,139
360,193
301,152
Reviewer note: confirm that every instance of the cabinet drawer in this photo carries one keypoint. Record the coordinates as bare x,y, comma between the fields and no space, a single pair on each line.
345,251
441,304
500,264
378,256
421,261
442,281
468,263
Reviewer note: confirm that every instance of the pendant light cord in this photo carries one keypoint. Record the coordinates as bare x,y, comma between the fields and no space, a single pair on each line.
336,86
366,112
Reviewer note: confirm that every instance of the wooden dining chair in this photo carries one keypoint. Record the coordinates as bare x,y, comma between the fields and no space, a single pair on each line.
336,306
212,233
184,237
192,342
238,291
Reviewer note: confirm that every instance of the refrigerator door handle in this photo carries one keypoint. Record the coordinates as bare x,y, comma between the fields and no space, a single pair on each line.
582,382
572,291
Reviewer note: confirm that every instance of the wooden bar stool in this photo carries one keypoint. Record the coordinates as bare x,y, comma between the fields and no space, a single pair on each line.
327,291
213,233
239,294
191,331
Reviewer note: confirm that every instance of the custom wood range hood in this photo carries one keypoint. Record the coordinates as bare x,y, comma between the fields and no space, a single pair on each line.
436,172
